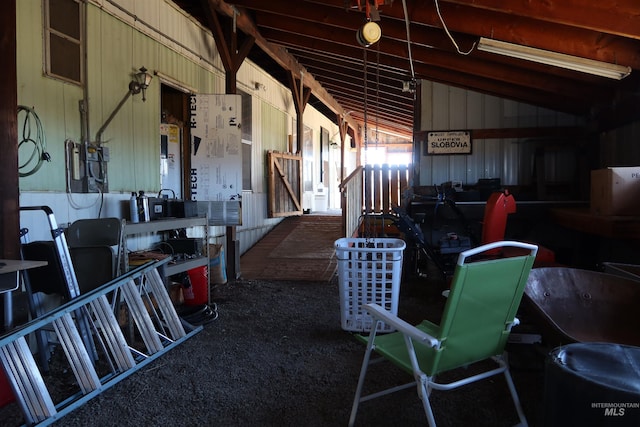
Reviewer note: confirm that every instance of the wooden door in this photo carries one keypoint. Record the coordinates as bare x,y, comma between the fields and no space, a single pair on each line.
285,184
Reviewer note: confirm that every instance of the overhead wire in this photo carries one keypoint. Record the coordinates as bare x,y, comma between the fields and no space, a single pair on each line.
377,92
446,30
366,107
406,24
366,178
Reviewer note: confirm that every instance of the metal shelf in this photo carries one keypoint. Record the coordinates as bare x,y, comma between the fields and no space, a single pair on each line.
163,225
180,266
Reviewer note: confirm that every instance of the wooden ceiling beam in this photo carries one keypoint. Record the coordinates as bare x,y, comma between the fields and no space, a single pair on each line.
390,69
226,40
384,124
318,38
619,17
391,87
378,107
495,71
501,25
279,55
477,63
319,14
497,88
501,89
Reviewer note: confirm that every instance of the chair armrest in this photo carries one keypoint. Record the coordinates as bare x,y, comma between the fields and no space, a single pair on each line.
515,322
510,243
379,313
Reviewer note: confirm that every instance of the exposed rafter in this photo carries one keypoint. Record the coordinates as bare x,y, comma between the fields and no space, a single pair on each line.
277,53
318,38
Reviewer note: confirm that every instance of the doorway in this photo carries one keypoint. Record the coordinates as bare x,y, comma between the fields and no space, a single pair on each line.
174,138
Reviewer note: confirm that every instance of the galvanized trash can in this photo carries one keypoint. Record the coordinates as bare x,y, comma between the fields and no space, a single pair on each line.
369,271
592,384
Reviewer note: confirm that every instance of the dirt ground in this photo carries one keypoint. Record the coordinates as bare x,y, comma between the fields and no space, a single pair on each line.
276,355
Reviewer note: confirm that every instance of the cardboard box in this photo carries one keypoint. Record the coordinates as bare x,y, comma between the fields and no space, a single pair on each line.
616,191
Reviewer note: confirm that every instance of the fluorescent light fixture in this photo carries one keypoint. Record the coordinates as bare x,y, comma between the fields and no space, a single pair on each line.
584,65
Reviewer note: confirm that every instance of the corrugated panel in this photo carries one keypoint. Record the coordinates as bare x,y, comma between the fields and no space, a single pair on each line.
118,44
475,163
273,129
616,149
227,212
475,120
133,131
440,109
52,100
511,160
492,159
111,65
511,164
270,91
458,120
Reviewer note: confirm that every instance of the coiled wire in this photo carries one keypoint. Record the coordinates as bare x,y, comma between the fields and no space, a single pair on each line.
32,134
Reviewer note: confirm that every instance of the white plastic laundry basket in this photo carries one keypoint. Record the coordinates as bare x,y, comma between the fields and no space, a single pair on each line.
369,271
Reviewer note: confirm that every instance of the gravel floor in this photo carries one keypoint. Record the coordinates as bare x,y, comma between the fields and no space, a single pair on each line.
276,355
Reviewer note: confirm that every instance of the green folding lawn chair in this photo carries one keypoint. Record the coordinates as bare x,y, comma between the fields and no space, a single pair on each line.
475,325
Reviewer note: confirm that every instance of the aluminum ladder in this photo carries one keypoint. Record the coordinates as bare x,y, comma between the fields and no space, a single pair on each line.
152,311
70,279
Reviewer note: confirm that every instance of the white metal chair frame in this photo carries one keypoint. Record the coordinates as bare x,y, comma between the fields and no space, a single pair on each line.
415,337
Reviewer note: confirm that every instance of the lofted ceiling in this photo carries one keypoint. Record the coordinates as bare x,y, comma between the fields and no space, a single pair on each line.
318,37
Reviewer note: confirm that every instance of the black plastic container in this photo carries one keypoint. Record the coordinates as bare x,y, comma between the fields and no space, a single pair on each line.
592,384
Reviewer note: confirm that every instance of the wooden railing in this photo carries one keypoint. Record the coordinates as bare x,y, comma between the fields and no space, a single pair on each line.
351,202
372,190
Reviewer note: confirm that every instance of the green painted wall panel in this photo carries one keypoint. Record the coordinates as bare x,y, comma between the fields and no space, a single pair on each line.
115,51
273,128
55,102
274,133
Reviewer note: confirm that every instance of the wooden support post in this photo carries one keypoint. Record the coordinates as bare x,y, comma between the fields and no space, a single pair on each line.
343,126
9,190
301,95
225,32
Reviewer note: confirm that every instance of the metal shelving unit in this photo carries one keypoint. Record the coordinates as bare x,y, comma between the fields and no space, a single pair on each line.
162,225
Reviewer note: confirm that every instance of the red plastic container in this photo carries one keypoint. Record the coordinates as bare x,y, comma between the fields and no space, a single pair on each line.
198,292
6,394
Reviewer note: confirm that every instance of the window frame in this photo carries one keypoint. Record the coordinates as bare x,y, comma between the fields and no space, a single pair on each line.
48,31
247,147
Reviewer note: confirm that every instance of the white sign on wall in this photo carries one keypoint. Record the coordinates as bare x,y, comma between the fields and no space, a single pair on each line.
171,159
449,142
216,147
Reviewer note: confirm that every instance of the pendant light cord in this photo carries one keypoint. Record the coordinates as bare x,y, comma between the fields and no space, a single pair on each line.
406,23
446,30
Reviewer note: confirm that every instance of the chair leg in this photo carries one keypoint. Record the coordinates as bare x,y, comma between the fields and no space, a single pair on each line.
514,396
363,373
423,392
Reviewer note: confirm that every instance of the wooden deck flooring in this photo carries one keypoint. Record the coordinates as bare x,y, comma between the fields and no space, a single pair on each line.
299,248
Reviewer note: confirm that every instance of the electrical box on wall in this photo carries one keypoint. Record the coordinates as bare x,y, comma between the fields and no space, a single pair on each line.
86,166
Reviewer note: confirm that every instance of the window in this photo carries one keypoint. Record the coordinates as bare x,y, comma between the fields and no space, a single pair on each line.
246,116
246,141
324,153
307,156
63,28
